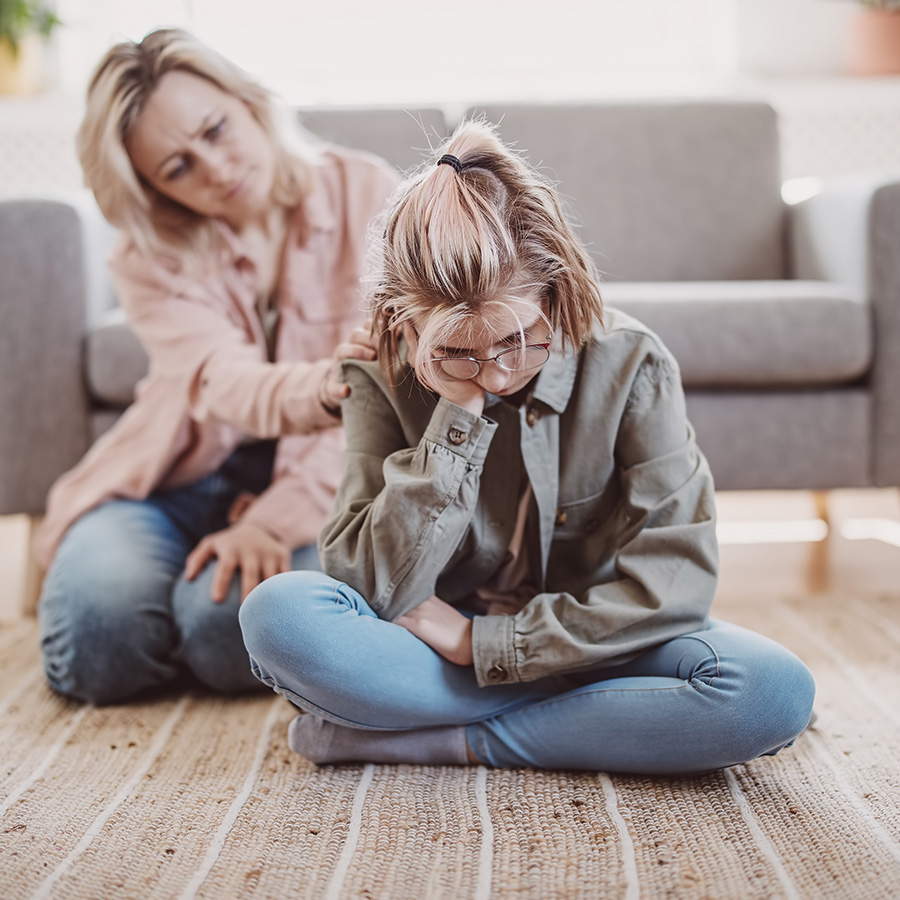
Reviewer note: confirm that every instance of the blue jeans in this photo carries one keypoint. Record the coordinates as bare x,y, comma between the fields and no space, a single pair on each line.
118,617
702,701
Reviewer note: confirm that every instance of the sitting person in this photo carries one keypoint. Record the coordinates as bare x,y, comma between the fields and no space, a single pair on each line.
238,268
522,558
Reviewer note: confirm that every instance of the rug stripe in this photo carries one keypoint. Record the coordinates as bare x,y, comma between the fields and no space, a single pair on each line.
45,763
629,860
818,746
221,835
860,682
764,844
343,864
163,735
486,852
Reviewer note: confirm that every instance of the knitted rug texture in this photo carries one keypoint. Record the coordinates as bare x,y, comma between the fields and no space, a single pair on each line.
195,796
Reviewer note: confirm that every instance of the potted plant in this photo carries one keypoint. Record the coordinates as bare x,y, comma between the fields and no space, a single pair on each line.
875,39
24,24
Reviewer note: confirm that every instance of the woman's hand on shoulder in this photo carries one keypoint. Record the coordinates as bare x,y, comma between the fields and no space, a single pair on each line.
445,629
245,546
359,344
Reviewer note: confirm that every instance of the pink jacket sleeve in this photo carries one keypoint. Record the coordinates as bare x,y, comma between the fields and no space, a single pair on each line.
193,330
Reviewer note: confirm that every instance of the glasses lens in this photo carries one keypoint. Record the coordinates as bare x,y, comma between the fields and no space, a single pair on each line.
456,369
518,359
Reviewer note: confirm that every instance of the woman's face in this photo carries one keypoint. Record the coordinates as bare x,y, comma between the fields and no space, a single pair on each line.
202,147
503,326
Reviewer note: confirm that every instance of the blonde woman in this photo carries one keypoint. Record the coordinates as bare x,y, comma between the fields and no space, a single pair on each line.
522,557
238,268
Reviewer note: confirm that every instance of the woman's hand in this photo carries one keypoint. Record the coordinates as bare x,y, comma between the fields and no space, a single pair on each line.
466,394
359,344
446,630
243,546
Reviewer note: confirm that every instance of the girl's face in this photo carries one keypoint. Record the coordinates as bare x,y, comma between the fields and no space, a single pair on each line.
202,148
503,326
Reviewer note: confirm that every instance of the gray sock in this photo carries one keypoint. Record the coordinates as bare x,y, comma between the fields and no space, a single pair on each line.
323,742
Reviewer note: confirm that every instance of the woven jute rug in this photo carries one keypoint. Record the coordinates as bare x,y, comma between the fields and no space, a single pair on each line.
192,796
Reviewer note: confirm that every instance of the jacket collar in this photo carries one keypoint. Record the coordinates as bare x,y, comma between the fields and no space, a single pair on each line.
553,385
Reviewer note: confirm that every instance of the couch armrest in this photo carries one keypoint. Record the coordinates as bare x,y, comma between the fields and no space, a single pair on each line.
52,251
850,233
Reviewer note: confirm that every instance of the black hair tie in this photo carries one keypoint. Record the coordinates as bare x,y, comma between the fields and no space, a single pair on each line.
450,160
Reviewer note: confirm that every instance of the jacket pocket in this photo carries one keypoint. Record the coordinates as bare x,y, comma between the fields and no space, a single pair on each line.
578,519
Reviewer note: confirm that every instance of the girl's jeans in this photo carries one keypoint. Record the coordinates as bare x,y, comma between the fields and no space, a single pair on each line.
116,613
702,701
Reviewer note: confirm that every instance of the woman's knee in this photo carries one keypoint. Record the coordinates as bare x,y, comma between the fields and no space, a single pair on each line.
100,643
106,625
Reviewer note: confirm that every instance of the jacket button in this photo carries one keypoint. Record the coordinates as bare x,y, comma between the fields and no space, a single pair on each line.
496,673
561,517
532,416
456,436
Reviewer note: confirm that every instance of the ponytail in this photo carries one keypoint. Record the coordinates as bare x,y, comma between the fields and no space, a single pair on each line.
475,227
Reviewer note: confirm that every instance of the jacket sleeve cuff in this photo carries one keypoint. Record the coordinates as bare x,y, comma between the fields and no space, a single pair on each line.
460,431
493,646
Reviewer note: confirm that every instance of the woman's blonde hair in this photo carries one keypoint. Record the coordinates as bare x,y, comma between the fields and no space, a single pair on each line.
117,95
484,229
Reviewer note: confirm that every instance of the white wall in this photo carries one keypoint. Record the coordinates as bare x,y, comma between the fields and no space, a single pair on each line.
792,37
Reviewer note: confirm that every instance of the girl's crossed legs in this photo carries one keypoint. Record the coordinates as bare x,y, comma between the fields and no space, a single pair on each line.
701,701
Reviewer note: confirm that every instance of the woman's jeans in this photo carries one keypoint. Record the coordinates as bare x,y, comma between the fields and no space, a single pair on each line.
117,615
702,701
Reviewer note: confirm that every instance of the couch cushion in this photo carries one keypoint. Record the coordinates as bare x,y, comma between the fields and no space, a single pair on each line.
754,333
723,334
114,361
678,190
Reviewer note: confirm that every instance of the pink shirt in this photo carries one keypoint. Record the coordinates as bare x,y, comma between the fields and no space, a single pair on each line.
210,382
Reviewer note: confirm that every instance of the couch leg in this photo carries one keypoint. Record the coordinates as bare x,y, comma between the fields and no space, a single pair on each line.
817,572
34,572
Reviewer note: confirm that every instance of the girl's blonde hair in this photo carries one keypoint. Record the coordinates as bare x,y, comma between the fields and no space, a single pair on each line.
460,238
117,95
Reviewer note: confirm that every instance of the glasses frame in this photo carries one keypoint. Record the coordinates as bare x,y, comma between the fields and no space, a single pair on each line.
543,345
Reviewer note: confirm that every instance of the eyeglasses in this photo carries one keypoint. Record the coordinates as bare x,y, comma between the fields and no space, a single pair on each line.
516,359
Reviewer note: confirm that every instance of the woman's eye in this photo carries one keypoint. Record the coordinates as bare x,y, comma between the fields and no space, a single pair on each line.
215,130
176,172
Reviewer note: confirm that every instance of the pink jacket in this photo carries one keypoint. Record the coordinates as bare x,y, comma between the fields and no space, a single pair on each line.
210,383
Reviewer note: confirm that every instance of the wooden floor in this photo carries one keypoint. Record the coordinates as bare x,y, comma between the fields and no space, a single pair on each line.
772,543
789,551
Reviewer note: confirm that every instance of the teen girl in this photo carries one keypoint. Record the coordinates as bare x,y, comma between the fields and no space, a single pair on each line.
522,557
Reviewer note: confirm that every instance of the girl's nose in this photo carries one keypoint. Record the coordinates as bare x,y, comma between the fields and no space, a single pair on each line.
492,378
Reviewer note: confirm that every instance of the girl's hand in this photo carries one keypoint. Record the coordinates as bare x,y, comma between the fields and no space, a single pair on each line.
359,344
243,546
467,394
446,630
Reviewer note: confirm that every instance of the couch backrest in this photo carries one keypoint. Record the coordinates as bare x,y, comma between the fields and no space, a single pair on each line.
679,190
399,135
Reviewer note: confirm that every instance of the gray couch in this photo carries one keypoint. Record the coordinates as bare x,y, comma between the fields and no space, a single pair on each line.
785,319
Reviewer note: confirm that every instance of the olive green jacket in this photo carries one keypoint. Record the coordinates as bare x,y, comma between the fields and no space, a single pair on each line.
621,529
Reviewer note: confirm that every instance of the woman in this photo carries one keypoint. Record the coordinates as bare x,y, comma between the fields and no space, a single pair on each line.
238,268
522,557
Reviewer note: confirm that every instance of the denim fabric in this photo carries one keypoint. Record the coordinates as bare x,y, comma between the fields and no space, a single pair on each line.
717,697
116,613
